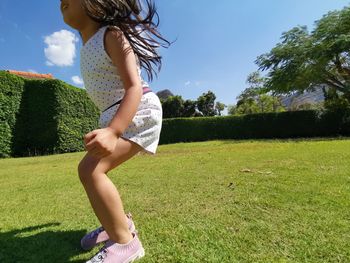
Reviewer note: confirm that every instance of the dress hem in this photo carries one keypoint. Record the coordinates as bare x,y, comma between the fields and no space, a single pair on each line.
143,148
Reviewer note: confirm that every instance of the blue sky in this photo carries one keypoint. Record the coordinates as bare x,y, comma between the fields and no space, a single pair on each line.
217,41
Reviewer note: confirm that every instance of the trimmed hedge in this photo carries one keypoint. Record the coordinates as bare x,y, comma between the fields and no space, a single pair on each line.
76,116
35,131
256,126
49,116
11,89
52,117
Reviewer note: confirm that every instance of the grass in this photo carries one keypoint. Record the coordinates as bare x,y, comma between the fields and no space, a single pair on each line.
218,201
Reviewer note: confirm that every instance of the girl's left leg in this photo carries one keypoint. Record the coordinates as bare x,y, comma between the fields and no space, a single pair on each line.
102,193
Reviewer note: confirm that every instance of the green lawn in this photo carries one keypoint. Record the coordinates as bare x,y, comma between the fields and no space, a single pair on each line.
219,201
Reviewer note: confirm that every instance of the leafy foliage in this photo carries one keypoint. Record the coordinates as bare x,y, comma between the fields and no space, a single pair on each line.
176,106
189,109
255,98
289,124
173,107
306,59
11,89
43,116
219,107
206,104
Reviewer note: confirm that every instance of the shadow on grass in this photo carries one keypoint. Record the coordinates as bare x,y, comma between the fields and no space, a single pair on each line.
42,246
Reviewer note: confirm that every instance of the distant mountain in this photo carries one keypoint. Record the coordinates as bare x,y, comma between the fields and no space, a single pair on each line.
164,94
298,99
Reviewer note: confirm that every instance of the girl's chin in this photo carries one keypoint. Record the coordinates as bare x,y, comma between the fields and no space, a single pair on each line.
71,23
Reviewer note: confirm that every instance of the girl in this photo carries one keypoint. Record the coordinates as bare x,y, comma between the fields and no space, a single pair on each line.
119,37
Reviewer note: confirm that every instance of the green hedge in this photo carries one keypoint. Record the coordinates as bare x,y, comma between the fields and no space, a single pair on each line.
256,126
11,89
51,117
76,116
35,131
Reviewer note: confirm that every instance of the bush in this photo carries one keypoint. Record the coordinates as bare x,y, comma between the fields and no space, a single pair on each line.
11,89
49,116
76,115
256,126
53,118
43,116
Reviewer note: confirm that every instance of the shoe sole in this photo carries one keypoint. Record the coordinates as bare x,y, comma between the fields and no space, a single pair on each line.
139,254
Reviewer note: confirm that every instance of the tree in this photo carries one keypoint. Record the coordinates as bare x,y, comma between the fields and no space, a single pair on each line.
306,59
189,108
255,98
335,102
173,107
268,103
256,87
219,107
206,104
248,106
231,109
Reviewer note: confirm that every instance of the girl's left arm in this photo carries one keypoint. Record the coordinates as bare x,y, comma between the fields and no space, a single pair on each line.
123,57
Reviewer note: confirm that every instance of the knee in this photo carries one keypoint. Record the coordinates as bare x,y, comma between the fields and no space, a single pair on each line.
90,169
85,171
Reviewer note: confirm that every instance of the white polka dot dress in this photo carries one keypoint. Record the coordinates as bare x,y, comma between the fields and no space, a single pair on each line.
105,88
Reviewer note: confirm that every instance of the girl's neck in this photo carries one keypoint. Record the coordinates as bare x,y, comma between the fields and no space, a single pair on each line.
88,31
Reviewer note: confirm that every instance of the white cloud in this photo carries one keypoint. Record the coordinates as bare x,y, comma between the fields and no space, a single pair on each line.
77,80
32,71
60,49
196,83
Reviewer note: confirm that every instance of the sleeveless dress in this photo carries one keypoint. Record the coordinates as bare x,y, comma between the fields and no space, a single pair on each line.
104,87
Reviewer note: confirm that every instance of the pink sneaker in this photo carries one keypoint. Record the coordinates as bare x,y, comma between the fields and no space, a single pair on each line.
119,253
99,235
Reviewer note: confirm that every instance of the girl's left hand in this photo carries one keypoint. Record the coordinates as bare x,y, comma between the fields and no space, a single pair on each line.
101,142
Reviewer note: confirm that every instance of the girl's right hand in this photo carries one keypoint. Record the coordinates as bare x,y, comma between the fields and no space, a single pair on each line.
101,142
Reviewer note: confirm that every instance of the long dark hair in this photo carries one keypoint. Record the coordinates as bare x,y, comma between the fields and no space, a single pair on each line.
139,21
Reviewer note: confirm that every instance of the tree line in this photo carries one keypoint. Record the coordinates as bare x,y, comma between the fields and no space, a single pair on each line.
204,106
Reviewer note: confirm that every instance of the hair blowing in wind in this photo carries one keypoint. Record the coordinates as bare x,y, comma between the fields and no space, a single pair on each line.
138,19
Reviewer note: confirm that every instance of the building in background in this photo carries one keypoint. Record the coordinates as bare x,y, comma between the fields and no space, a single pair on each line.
30,75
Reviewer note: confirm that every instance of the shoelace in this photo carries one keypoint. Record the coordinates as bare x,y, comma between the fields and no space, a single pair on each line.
100,256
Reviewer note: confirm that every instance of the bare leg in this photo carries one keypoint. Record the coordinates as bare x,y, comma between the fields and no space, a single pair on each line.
103,194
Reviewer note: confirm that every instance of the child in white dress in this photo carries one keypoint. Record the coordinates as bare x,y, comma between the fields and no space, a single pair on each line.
118,39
